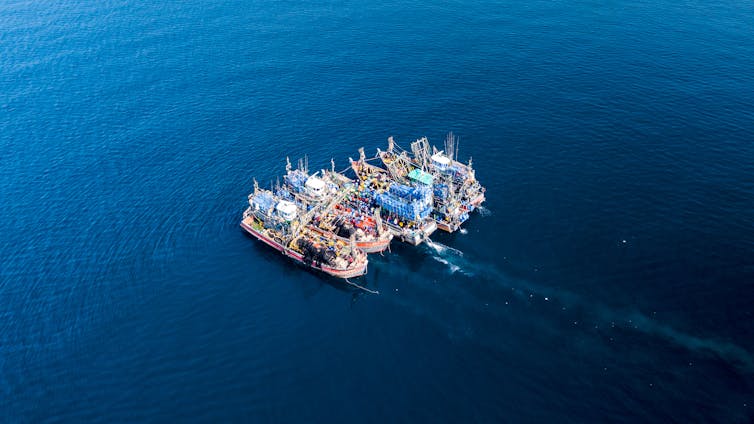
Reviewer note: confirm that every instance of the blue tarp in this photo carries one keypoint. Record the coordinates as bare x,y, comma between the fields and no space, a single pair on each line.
296,179
440,191
406,210
410,193
283,193
264,201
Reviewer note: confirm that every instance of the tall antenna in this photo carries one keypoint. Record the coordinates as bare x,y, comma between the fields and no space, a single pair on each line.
451,147
458,145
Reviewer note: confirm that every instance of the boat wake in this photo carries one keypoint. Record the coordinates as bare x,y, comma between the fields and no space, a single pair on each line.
483,211
442,249
453,268
730,352
491,277
452,258
605,316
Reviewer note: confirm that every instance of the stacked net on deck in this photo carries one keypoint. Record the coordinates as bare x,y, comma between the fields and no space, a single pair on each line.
409,203
296,179
440,191
284,194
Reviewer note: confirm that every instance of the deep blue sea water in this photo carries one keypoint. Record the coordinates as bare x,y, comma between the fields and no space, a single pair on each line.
609,279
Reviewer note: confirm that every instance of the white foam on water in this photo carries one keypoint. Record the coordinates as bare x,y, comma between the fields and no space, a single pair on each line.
434,246
451,267
449,256
442,249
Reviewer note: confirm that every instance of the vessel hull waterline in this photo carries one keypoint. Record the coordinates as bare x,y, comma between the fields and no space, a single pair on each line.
372,246
356,271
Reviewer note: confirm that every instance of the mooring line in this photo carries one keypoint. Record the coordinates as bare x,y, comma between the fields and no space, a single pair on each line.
362,287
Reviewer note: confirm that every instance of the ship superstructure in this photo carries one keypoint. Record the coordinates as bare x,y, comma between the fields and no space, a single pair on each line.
455,188
285,227
406,209
330,198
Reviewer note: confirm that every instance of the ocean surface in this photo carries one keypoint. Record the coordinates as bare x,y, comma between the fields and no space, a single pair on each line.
609,277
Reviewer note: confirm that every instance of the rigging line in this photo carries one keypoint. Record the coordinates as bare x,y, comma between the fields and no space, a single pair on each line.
362,287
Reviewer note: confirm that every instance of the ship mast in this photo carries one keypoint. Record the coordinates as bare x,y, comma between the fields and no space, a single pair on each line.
420,149
305,219
451,146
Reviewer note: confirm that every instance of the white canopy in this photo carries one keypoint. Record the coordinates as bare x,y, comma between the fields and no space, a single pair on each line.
315,183
286,209
441,159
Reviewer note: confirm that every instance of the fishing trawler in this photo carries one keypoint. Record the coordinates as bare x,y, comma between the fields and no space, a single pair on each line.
335,217
459,174
455,188
281,225
404,209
